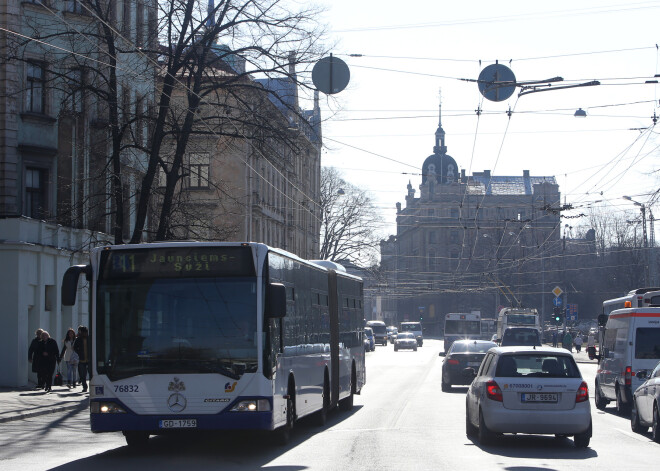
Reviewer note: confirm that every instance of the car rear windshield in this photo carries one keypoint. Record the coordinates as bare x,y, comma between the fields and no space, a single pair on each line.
647,343
405,335
464,347
411,327
537,365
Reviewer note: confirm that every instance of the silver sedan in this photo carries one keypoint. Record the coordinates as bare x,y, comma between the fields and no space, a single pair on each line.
528,390
646,404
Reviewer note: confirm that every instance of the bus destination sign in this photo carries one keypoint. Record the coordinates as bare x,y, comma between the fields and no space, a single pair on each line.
174,262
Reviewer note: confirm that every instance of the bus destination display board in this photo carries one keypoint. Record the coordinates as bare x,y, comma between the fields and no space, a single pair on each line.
176,262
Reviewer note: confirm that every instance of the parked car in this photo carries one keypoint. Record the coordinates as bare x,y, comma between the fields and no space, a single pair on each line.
646,404
463,360
405,340
369,341
534,390
520,336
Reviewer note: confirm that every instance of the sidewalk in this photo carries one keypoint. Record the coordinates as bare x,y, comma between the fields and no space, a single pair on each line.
22,403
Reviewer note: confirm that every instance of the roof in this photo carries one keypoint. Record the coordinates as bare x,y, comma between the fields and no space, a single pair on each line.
525,349
505,185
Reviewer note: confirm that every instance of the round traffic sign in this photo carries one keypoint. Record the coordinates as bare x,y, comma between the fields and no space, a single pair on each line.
330,75
496,82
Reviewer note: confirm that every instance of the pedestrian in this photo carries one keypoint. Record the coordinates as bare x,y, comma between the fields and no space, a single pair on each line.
34,359
578,343
554,339
70,357
568,341
81,347
49,356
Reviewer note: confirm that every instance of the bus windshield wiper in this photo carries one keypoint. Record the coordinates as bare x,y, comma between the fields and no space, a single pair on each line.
223,370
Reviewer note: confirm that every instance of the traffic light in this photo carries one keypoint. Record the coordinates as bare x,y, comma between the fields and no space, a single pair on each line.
558,316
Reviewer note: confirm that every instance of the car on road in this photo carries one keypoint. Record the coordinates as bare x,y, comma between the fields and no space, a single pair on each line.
391,333
532,390
462,361
405,340
380,331
520,336
369,341
415,328
646,404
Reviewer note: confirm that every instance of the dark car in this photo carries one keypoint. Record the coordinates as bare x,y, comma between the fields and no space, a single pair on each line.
521,337
463,360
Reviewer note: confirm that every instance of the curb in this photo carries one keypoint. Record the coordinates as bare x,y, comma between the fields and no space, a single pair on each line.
50,410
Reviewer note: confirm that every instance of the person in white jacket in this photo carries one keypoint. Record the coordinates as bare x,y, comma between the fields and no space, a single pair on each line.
70,358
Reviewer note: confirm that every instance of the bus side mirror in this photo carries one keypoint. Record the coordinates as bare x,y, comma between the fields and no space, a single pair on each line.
275,301
602,320
70,283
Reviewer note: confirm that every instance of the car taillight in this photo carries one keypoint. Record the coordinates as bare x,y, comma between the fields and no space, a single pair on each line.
453,362
582,393
493,391
628,375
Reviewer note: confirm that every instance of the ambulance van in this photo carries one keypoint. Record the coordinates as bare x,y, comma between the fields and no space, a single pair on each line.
630,343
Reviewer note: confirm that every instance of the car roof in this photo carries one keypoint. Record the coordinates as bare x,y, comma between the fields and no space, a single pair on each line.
527,349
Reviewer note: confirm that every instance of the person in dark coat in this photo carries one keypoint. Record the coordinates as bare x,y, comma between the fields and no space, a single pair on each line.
82,348
49,356
34,359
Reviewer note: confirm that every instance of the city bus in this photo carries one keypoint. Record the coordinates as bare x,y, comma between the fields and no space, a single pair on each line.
192,336
642,297
518,317
461,326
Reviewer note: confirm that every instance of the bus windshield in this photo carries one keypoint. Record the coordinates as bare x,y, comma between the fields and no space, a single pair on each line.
521,319
176,326
462,327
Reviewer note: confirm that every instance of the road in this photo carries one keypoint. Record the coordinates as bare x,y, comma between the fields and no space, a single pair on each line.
401,421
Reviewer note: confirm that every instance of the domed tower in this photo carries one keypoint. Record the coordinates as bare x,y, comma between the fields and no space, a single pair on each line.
440,167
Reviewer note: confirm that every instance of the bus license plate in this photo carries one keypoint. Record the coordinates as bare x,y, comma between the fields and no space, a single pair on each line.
539,397
178,423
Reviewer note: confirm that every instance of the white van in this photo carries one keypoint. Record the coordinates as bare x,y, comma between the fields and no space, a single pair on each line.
415,328
631,342
380,331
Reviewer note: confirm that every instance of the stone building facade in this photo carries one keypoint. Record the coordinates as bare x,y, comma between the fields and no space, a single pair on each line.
54,146
470,242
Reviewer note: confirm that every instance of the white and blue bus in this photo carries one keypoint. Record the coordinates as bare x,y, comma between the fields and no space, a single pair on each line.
461,326
217,336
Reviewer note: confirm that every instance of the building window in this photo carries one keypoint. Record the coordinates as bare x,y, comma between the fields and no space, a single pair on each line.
431,261
35,97
35,193
199,170
432,237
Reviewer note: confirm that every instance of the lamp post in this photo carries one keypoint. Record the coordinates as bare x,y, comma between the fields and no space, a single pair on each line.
642,208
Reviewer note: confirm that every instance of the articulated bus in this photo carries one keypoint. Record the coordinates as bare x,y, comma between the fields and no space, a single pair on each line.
461,326
217,336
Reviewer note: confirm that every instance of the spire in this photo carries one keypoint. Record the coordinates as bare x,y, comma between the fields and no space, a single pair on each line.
440,147
210,20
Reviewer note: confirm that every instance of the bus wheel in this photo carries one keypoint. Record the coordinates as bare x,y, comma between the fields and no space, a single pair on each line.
283,434
346,404
322,415
136,439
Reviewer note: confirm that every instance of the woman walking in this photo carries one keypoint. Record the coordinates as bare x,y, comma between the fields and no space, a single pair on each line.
49,356
70,357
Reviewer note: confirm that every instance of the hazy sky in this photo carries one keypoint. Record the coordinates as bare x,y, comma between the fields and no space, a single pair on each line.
381,128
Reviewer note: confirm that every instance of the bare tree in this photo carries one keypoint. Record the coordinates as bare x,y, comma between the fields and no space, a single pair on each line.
213,56
349,219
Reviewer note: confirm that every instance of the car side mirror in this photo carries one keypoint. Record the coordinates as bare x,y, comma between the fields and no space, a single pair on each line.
642,374
442,354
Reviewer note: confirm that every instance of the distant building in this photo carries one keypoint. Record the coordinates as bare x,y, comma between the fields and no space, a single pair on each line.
470,242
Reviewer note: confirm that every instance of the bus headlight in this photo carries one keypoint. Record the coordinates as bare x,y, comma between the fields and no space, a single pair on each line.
106,408
252,405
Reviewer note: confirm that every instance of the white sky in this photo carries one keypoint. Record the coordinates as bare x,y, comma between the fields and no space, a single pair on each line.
427,45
